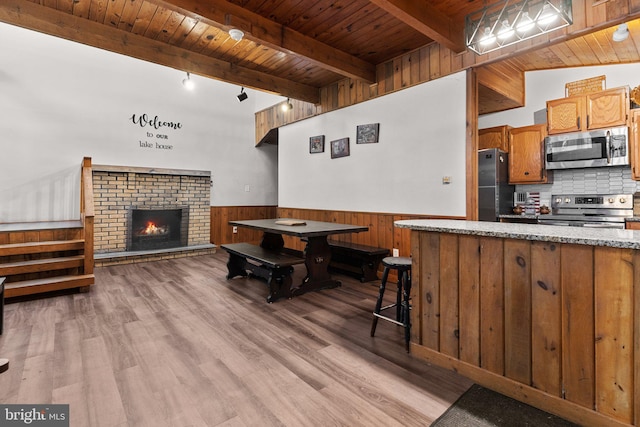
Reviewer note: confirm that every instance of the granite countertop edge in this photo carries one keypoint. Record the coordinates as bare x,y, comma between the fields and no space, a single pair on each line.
615,238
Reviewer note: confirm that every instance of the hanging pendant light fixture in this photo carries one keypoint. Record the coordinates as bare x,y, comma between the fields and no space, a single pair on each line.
508,22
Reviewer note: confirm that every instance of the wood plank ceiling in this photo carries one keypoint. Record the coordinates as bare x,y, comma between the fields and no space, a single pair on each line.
290,47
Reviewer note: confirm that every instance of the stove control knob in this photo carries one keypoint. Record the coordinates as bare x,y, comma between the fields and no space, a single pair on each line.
611,200
558,200
567,200
623,200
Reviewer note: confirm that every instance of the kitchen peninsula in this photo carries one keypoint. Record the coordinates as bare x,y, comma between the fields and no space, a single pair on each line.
546,315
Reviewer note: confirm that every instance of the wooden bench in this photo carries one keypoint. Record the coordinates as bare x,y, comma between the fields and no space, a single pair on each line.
274,267
359,261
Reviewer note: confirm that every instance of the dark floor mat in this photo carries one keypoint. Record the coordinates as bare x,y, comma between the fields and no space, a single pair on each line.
481,407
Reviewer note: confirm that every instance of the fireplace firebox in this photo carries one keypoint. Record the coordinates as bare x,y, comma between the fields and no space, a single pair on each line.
152,229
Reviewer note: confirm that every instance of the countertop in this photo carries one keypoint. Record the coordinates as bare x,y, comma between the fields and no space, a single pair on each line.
615,238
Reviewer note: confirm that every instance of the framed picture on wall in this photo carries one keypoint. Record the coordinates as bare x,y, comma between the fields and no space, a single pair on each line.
316,144
340,148
367,134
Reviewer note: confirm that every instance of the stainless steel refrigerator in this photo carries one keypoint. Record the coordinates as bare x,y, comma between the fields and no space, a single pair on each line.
495,195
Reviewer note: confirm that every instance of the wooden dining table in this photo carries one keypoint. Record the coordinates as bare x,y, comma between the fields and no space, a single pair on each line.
317,252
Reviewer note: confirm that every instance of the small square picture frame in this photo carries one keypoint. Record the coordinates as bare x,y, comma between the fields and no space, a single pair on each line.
340,148
316,144
367,134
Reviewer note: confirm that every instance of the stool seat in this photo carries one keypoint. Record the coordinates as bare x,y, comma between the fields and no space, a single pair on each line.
401,263
403,266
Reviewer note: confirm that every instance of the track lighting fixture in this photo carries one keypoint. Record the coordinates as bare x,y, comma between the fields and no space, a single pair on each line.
242,96
188,83
287,105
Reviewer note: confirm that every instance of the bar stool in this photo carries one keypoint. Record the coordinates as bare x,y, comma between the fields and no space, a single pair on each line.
403,267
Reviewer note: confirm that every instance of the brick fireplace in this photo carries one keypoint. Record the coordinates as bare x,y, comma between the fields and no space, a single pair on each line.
144,214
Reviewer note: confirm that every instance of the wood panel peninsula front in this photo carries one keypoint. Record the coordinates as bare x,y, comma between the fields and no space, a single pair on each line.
548,315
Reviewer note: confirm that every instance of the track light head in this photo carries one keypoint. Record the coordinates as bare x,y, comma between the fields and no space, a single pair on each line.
188,83
242,96
287,105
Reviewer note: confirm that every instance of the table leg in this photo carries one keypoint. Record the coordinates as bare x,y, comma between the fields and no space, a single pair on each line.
272,241
317,258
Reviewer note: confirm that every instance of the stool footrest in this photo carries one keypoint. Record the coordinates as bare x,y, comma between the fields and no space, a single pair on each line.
389,319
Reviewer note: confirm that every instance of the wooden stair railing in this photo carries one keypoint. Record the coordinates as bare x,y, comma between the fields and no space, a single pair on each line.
49,257
87,213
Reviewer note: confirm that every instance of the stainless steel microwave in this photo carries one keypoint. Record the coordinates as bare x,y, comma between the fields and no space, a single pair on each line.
596,148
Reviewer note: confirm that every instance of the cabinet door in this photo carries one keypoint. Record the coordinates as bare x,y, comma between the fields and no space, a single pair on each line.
565,114
634,144
495,137
526,155
607,108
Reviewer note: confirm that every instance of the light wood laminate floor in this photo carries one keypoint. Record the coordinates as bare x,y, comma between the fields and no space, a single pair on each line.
173,343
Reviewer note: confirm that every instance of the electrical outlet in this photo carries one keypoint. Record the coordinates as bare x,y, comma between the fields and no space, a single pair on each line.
396,252
247,188
446,180
235,229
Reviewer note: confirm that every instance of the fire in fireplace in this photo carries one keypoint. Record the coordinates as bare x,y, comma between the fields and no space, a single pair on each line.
151,229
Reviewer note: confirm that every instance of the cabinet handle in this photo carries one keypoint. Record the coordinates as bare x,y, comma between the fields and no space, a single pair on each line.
587,121
526,173
578,122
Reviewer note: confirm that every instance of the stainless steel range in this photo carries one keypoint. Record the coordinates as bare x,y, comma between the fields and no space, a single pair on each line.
589,210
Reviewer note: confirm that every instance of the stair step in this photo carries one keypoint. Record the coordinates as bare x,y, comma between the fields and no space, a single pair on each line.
40,247
39,265
49,284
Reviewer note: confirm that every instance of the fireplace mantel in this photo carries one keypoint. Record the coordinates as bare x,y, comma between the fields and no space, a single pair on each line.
152,171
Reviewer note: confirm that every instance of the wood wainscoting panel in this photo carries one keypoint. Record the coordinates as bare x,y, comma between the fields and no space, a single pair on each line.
613,287
491,305
578,326
546,313
222,232
551,324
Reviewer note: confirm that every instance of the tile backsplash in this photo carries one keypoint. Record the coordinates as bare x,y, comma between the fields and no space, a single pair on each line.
611,180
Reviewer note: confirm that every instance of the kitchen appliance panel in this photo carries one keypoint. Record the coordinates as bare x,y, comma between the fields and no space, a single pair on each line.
495,195
597,148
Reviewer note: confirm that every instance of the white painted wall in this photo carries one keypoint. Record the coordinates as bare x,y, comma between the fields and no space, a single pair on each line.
542,86
422,139
61,101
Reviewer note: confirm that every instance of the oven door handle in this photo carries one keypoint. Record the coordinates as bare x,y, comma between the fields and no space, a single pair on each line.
603,225
608,146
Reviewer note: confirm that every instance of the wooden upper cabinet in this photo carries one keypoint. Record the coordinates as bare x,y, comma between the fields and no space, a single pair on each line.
495,137
565,114
526,155
586,112
608,108
634,144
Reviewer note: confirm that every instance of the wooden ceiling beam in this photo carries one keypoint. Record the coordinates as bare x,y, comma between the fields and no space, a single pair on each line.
425,18
35,17
225,16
